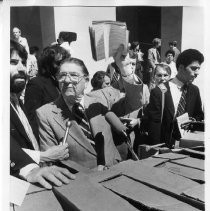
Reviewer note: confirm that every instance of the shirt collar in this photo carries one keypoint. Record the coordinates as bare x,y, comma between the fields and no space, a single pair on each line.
71,105
177,82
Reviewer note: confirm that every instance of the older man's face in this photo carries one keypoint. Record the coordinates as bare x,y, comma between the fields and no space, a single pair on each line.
16,33
72,82
17,73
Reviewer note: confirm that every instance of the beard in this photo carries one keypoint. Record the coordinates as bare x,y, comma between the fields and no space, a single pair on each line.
17,86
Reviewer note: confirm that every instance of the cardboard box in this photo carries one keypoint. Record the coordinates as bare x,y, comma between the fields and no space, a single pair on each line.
86,195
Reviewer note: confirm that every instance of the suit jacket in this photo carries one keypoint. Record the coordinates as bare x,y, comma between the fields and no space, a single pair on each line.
52,120
17,131
18,158
18,140
153,57
162,132
39,91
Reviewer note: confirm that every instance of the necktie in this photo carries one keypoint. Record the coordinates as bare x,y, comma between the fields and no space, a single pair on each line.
182,102
82,120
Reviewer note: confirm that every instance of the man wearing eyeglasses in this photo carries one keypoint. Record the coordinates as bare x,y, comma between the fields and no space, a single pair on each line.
89,137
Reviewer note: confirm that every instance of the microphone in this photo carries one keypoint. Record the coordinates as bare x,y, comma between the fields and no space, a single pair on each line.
115,122
162,87
120,128
68,125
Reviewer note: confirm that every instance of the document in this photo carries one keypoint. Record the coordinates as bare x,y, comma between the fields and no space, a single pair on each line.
106,37
18,190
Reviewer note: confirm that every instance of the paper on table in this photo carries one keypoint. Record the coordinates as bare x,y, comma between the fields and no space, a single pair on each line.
18,190
182,119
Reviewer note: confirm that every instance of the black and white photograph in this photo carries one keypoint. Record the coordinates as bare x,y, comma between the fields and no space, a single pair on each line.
108,105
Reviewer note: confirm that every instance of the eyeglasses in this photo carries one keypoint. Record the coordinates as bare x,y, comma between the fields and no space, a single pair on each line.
160,75
61,77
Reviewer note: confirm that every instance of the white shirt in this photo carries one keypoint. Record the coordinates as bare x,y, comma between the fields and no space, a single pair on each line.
175,87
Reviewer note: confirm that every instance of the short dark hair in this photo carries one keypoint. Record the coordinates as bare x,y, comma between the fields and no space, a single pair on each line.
33,49
188,56
174,43
78,62
169,52
48,57
68,36
15,46
163,66
98,79
134,45
133,55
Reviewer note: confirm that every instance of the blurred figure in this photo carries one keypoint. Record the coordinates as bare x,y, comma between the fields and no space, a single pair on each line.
44,88
32,66
172,46
100,80
153,59
169,55
34,50
135,47
64,40
162,73
136,64
22,40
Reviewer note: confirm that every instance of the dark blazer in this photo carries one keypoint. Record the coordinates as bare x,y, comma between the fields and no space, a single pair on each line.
162,132
18,158
18,140
39,91
17,131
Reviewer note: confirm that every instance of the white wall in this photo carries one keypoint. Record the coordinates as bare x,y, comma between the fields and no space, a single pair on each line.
78,19
193,37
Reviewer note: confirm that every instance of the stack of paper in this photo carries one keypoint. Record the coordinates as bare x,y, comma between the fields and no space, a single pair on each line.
106,37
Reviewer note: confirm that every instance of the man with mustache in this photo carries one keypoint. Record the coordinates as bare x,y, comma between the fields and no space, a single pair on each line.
24,150
181,97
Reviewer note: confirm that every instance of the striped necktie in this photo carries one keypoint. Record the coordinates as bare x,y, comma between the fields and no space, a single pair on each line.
182,102
82,120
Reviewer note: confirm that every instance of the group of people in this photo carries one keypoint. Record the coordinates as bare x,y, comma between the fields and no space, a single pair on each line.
55,102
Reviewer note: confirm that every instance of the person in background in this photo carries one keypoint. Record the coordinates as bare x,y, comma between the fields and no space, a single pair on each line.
24,155
22,40
173,46
32,66
153,59
162,74
44,88
169,60
100,80
135,47
64,40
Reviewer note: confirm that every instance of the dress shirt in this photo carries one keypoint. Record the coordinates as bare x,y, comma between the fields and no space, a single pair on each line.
26,170
176,92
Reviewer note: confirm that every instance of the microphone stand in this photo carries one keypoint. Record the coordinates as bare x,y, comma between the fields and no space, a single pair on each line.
130,147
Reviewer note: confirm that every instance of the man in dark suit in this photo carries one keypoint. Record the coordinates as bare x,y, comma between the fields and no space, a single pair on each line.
181,97
24,159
